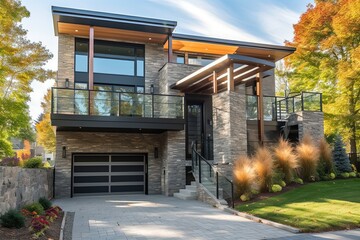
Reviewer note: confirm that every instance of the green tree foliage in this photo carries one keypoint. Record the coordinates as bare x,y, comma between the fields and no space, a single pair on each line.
341,159
327,59
21,62
45,134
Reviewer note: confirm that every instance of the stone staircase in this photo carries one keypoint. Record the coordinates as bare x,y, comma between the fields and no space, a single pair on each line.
189,193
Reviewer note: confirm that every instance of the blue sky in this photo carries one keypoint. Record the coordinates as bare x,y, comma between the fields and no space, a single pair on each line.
264,21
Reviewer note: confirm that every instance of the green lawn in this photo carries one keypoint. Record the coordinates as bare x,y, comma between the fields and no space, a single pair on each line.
315,207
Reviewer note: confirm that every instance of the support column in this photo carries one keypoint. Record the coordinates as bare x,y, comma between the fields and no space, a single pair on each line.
170,52
260,94
91,58
215,86
229,125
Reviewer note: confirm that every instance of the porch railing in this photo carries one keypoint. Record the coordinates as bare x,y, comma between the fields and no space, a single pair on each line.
111,103
279,108
213,180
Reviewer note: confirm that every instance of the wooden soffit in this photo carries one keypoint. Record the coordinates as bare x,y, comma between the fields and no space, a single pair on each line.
79,30
215,75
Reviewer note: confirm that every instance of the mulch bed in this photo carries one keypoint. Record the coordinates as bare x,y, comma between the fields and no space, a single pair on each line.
52,233
265,195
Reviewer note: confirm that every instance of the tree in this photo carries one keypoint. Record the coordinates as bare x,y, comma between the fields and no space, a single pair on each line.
341,159
21,62
45,135
327,59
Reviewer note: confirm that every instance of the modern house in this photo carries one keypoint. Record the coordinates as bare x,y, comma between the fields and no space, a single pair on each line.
131,97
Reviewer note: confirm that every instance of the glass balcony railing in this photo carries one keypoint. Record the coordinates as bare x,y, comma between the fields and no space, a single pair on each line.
109,103
278,108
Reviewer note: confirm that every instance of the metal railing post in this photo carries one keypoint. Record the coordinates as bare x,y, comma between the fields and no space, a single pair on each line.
320,102
232,195
52,100
217,185
152,99
199,168
89,101
302,101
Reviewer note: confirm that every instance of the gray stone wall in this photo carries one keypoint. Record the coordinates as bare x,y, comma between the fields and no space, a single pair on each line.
66,51
154,60
269,84
173,163
311,123
229,125
104,142
21,186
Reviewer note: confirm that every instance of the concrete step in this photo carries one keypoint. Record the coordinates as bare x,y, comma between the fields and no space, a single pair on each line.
191,187
193,183
188,192
184,197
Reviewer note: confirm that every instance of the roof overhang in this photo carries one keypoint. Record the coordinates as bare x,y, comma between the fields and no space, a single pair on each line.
77,22
216,46
244,68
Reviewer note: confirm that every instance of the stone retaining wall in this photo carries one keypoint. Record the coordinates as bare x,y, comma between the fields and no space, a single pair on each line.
21,186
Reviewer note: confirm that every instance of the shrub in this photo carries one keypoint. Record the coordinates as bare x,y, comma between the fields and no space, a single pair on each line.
344,175
276,188
264,168
308,157
326,164
46,165
35,162
11,161
52,213
35,207
341,159
285,159
358,175
332,176
353,167
45,203
12,219
244,197
282,184
352,174
298,181
244,176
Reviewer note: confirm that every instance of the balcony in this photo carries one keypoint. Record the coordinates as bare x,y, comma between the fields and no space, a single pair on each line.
280,108
92,110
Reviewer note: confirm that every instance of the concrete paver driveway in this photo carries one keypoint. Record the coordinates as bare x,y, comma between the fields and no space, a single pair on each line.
158,217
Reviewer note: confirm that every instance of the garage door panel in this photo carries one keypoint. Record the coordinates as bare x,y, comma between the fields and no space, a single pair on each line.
126,168
138,178
92,189
89,158
127,158
136,188
91,169
90,179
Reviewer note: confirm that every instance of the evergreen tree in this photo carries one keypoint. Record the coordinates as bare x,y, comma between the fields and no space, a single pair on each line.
341,159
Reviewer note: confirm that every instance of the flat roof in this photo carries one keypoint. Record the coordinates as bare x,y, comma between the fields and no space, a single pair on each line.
111,20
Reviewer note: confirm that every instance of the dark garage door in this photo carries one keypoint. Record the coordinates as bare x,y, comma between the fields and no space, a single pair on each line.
99,174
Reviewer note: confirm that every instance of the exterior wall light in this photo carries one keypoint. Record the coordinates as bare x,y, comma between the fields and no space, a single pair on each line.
152,88
63,152
67,83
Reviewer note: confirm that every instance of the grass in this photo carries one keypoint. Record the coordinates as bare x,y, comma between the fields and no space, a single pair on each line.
315,207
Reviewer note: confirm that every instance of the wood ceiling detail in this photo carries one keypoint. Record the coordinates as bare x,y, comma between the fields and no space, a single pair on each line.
111,33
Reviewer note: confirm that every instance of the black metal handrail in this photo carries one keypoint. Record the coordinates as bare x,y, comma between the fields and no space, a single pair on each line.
196,161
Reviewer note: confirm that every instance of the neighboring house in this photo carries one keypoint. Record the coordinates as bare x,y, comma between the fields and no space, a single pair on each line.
132,96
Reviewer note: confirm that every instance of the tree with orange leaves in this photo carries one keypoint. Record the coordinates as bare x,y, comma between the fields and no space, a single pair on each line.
327,59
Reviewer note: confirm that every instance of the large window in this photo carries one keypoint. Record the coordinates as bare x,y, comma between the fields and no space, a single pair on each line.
199,60
114,62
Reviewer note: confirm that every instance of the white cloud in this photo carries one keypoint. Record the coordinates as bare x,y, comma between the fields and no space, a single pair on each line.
277,22
206,19
39,90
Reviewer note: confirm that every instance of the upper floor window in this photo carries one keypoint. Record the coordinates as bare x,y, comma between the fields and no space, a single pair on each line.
111,58
200,60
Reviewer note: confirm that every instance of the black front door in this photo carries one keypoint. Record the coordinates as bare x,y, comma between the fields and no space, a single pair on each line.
199,125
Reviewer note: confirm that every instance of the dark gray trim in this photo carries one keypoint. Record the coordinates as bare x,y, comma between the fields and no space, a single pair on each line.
111,20
64,121
178,36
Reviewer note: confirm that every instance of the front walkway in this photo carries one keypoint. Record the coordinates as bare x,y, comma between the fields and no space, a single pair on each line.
158,217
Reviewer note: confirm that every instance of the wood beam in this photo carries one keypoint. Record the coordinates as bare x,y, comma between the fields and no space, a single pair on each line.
91,58
259,92
170,50
230,78
186,58
214,83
